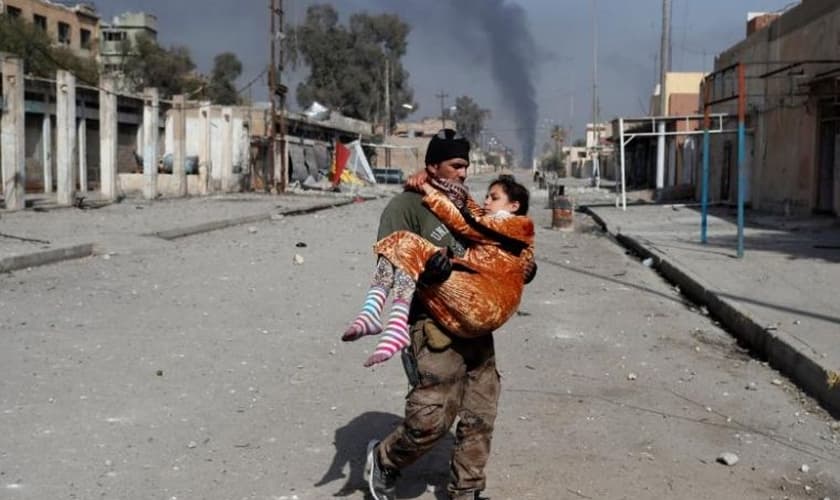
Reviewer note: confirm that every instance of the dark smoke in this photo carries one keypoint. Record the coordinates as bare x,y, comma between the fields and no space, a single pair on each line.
512,54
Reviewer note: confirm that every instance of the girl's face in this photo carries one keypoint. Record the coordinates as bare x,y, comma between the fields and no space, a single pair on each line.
497,200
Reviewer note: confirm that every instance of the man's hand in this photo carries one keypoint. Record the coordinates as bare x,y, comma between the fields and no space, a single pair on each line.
436,270
530,271
416,181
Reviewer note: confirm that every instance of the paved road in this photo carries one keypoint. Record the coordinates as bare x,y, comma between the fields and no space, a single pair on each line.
209,367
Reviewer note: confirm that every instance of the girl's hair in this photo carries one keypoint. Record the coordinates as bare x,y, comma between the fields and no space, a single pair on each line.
514,191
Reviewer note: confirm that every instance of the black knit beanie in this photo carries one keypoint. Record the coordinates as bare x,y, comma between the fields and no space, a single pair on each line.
445,145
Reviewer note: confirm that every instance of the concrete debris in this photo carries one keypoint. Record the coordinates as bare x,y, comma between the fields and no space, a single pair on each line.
728,458
298,259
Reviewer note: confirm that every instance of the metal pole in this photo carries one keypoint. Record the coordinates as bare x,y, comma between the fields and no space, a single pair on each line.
281,90
623,179
387,130
596,135
704,185
742,153
271,131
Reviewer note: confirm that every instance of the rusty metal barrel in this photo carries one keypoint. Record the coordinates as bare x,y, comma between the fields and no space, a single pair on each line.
562,208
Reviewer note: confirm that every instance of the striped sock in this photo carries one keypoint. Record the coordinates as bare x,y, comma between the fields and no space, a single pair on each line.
369,320
395,336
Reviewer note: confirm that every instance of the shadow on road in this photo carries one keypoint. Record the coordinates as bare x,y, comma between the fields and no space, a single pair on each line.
350,445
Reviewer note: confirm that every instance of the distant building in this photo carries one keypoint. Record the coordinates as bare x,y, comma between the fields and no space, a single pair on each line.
71,25
121,34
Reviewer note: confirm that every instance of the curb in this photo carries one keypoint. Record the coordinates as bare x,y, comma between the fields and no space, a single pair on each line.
45,257
206,227
777,346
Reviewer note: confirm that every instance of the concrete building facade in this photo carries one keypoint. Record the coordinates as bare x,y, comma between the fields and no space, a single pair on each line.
793,83
75,27
121,34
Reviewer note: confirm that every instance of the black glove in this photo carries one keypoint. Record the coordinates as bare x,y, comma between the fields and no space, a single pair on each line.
436,270
530,271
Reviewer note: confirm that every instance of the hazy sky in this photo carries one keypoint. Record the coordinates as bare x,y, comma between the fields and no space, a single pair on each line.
441,57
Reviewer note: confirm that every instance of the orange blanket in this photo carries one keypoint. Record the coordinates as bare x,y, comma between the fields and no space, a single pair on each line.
486,285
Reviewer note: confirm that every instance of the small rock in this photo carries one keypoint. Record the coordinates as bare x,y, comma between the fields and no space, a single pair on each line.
159,373
807,488
277,217
796,322
776,381
300,244
728,458
107,256
192,444
252,229
804,468
632,376
648,262
298,259
751,386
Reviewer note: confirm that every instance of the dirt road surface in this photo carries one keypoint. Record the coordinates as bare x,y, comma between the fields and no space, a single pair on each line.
211,368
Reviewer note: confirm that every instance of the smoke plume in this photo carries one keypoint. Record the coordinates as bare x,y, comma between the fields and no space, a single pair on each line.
512,55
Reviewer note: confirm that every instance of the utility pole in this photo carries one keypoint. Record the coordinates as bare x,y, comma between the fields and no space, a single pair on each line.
387,128
442,98
664,68
596,136
277,95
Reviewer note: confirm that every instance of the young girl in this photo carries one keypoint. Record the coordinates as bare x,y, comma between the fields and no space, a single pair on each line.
486,284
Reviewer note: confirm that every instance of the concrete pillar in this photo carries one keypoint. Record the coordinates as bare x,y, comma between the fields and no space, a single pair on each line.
65,128
227,148
107,139
46,145
151,108
204,161
82,143
179,147
13,134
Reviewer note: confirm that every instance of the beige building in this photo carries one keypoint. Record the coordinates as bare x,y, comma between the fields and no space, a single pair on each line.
76,27
676,84
793,147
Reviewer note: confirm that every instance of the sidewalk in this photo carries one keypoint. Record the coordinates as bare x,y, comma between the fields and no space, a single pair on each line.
780,299
31,238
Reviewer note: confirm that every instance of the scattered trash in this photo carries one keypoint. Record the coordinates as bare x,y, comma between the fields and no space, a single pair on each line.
648,262
300,244
631,376
728,459
804,468
298,259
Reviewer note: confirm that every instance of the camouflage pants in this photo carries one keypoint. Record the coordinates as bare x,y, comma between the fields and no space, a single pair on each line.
459,381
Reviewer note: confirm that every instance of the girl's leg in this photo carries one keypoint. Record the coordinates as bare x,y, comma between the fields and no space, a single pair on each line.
369,320
395,336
